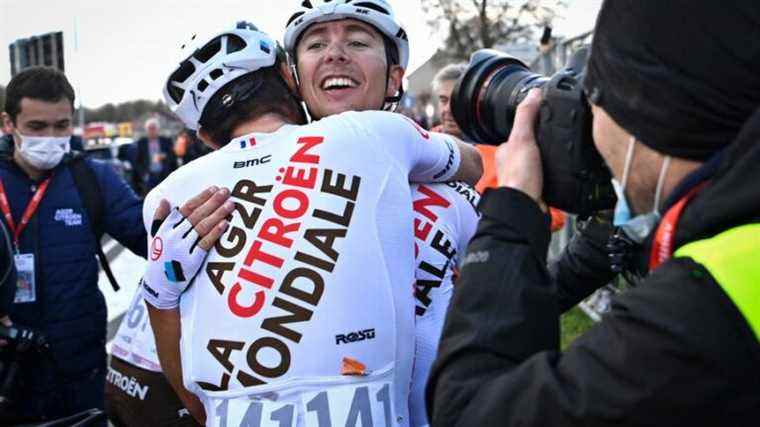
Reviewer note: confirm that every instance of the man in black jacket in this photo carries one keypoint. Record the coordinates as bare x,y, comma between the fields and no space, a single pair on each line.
683,347
155,158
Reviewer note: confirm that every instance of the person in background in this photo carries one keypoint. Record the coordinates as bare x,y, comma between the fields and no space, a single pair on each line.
155,158
57,289
443,87
187,147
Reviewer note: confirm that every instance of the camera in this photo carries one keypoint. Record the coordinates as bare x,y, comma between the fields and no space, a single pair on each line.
484,102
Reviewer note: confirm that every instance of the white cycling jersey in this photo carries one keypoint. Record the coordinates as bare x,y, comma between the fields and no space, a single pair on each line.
445,218
134,342
303,312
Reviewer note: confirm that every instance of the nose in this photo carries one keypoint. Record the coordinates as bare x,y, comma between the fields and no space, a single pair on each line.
335,53
445,109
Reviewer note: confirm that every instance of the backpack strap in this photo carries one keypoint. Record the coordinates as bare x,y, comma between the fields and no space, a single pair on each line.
92,198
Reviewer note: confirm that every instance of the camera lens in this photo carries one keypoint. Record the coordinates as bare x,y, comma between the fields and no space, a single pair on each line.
484,100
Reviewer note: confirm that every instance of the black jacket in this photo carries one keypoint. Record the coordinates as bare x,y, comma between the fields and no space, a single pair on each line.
584,265
7,271
673,351
142,161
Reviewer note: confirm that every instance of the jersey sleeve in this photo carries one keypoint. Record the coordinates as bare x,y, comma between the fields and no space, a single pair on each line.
428,156
468,221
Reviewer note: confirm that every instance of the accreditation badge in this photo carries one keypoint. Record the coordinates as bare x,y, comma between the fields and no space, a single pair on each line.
26,290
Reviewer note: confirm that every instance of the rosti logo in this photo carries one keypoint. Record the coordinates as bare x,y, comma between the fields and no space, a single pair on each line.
156,249
367,334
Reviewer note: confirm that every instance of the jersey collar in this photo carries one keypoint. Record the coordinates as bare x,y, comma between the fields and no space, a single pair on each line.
256,139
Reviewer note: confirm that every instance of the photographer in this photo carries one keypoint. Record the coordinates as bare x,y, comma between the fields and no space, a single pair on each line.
675,126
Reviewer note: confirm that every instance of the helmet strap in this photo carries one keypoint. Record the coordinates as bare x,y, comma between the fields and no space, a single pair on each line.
390,103
294,72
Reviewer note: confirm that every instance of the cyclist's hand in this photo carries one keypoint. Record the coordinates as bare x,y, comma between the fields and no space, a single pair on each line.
181,240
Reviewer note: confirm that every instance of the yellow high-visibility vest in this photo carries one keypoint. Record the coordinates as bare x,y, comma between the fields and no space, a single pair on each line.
733,259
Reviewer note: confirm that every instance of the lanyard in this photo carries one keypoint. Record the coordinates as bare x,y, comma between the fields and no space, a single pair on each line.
664,238
30,209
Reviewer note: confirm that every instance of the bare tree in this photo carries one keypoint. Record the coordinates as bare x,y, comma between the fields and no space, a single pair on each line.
477,24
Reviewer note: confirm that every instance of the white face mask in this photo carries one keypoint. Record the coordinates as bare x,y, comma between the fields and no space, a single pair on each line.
43,152
638,227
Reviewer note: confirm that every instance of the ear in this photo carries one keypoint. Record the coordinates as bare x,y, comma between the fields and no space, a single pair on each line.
395,79
8,125
290,78
206,138
6,121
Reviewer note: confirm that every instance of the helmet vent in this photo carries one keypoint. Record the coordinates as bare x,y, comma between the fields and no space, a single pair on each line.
185,70
175,92
216,73
202,85
234,43
209,50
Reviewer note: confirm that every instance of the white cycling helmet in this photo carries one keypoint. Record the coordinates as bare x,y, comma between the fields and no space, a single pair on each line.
377,13
208,65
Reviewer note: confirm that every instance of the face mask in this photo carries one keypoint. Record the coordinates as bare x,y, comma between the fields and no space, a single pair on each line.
43,152
638,227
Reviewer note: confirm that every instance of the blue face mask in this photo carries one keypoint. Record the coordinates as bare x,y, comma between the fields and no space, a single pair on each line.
637,227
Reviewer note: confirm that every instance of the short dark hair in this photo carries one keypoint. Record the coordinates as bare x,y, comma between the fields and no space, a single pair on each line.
268,94
40,83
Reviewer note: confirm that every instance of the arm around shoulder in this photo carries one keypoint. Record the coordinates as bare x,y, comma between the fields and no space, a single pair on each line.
471,166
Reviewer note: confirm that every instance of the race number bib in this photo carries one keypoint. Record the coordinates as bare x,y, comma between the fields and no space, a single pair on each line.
26,290
255,413
354,405
365,405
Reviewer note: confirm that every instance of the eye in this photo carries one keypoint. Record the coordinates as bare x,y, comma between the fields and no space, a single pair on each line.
314,45
357,43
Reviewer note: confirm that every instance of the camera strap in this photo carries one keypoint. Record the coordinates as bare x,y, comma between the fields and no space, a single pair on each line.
664,238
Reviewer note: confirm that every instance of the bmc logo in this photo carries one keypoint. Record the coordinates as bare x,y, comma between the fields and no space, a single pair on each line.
252,162
148,288
367,334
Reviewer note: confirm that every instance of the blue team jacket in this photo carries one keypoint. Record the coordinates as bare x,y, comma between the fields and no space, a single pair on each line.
69,307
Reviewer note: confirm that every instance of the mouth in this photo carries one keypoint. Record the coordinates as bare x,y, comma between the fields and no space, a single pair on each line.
334,84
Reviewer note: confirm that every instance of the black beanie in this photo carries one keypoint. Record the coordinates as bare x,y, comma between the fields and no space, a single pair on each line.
681,75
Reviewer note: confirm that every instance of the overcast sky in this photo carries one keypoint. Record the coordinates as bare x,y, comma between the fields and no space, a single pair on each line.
117,51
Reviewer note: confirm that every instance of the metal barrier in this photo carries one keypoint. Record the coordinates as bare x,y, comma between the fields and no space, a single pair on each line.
556,57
